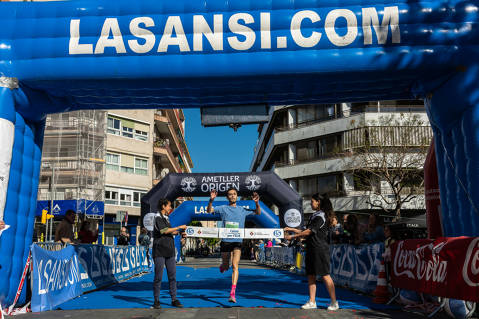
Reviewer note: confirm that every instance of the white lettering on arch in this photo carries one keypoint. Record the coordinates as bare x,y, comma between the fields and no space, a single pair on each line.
110,27
142,33
201,28
352,27
390,19
236,27
173,24
299,39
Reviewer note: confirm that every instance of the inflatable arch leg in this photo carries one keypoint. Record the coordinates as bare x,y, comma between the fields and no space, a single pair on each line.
453,111
20,172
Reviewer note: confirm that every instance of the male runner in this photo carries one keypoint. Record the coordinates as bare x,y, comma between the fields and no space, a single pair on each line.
233,217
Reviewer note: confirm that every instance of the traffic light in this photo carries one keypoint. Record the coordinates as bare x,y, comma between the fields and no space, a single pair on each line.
46,216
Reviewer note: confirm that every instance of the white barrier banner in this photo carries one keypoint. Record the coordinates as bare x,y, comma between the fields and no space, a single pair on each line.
203,232
249,233
231,233
263,233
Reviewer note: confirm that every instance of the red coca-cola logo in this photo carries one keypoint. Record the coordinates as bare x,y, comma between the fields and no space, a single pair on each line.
470,270
423,263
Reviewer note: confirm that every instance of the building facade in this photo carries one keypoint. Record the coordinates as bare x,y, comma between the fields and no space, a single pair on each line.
142,146
113,157
311,147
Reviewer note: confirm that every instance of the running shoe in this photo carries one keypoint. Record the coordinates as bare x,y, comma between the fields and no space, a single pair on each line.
156,304
333,306
309,305
232,299
176,303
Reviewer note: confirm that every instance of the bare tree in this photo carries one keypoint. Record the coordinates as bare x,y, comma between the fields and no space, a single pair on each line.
389,153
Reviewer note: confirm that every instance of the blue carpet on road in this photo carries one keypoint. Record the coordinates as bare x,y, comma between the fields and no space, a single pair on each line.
206,287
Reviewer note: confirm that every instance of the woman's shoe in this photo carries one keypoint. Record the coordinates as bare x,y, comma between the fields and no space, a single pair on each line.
309,305
333,306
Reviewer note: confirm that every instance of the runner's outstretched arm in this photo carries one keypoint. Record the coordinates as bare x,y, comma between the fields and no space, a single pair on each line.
256,200
210,208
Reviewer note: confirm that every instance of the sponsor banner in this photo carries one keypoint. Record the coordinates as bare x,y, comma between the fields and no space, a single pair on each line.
56,277
231,233
263,233
203,232
445,267
104,265
356,266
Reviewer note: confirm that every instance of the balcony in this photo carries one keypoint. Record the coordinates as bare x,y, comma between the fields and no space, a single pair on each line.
304,160
303,124
162,148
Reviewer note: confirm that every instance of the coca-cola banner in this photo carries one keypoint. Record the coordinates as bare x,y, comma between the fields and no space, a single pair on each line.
446,267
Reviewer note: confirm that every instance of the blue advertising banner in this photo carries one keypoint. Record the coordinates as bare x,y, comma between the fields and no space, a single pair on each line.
80,206
352,266
56,277
104,265
356,266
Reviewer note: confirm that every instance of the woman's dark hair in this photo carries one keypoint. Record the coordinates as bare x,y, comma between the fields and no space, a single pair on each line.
325,205
162,202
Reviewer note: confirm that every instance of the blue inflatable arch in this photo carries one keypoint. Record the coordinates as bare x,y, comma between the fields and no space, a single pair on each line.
196,210
267,184
63,56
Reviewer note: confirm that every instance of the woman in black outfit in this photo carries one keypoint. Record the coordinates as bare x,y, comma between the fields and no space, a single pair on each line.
164,252
317,250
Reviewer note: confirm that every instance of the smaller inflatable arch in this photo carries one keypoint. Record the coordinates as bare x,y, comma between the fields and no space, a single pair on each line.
190,211
267,184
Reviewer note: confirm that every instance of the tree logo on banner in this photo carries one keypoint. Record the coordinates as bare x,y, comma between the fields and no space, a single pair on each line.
253,182
188,184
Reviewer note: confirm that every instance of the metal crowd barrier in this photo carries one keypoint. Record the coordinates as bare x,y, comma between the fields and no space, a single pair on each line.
51,246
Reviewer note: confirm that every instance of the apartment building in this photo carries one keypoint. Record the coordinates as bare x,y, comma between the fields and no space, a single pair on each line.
142,146
310,147
108,157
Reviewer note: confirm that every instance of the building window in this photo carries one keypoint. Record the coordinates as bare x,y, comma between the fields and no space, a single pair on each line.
125,198
127,131
112,162
137,196
126,169
141,166
141,135
111,197
128,128
113,126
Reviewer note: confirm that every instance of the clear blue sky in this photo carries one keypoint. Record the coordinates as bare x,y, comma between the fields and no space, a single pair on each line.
218,149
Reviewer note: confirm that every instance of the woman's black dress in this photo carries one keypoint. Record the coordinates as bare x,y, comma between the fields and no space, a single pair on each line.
317,249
